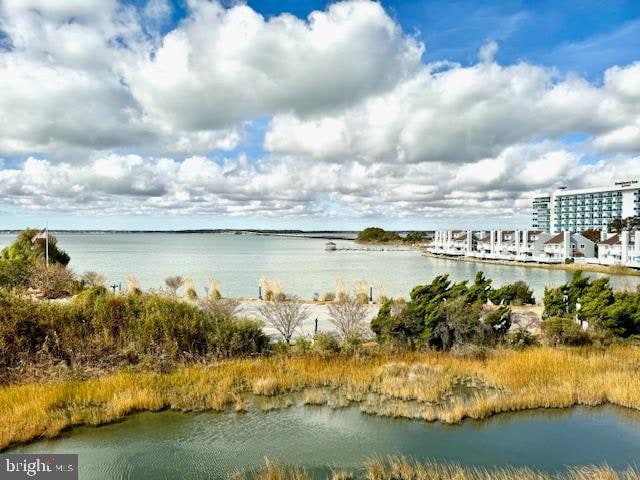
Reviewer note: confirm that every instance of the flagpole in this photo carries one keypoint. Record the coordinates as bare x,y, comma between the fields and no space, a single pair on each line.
46,239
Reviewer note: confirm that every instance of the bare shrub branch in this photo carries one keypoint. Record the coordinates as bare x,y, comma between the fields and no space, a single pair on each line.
285,316
174,283
222,307
348,317
53,281
93,279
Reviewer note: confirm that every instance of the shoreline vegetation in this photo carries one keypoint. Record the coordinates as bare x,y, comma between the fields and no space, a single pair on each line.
403,468
428,386
447,353
379,236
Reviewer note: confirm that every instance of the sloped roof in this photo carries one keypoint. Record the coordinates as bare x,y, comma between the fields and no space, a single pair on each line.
558,239
487,238
611,241
617,240
530,233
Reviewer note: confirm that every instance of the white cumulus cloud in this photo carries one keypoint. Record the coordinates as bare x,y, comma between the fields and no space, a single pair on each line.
103,112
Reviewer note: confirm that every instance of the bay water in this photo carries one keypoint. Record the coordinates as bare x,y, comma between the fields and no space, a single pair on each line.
212,445
302,264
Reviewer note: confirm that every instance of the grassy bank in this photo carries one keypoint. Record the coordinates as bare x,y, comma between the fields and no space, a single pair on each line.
572,267
400,468
431,386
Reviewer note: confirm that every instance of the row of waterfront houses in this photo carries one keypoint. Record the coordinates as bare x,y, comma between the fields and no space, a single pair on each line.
539,246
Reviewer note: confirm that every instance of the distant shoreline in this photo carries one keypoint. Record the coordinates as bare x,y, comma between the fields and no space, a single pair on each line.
320,234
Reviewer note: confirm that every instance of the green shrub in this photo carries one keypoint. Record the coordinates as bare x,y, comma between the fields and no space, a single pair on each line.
607,312
564,331
14,273
517,293
521,337
231,337
21,332
24,248
102,328
441,315
377,235
53,281
325,345
302,346
22,265
414,237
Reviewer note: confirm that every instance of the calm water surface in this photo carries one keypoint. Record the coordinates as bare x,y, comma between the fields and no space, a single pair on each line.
302,264
209,445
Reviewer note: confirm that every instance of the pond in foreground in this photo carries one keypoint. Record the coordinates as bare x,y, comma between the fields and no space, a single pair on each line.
212,445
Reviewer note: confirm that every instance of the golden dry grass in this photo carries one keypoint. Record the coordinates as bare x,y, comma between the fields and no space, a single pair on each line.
430,386
401,468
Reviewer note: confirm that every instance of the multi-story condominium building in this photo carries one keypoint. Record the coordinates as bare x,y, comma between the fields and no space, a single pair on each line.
542,213
578,210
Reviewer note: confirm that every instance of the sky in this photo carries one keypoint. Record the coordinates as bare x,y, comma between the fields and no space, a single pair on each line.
158,114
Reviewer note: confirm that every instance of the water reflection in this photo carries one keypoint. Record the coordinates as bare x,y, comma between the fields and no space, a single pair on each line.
211,445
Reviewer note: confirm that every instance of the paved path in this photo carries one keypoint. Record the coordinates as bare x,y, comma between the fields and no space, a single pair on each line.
249,309
525,316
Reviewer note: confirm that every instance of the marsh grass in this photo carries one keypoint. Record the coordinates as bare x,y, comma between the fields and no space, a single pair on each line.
402,468
213,290
381,293
433,386
133,285
361,292
190,289
272,289
342,290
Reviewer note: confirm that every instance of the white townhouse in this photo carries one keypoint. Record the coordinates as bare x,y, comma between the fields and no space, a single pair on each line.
620,249
484,244
460,241
511,244
568,245
452,242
